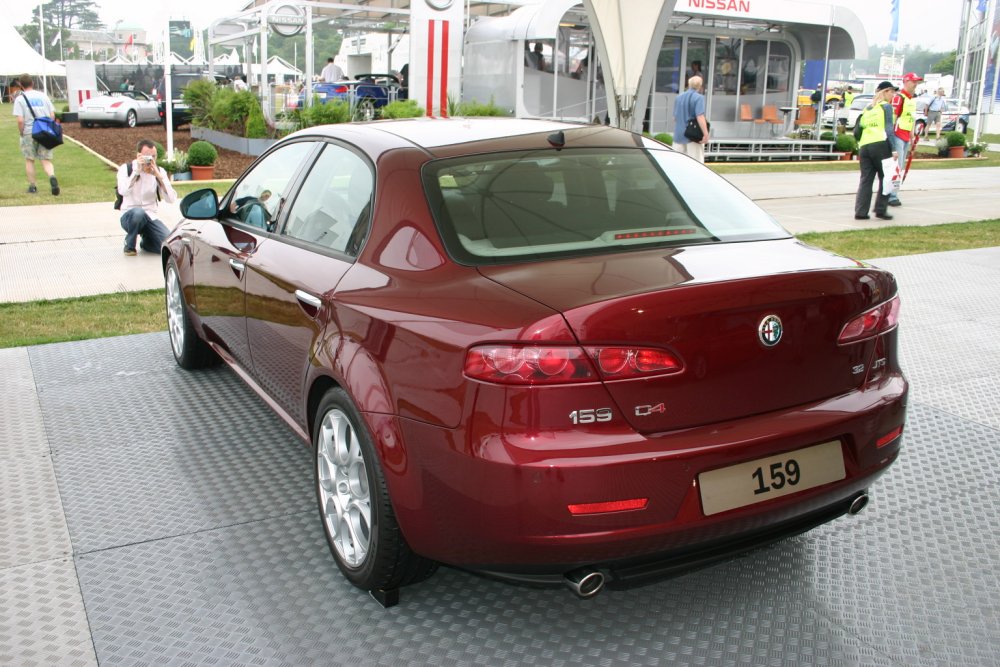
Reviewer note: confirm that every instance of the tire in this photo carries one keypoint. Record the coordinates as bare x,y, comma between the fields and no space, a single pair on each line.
86,123
354,506
189,350
131,119
366,109
963,125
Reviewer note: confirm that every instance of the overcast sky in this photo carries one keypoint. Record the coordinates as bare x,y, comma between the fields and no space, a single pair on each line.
931,24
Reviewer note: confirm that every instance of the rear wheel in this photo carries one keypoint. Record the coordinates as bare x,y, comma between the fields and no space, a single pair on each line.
130,119
190,351
366,109
354,505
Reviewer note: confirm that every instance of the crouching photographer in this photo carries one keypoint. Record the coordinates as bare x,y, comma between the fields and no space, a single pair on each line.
141,185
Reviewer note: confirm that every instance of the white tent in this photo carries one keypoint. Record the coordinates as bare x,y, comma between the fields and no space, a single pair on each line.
620,30
231,58
17,57
277,67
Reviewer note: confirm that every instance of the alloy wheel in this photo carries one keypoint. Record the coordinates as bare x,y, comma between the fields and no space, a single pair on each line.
345,498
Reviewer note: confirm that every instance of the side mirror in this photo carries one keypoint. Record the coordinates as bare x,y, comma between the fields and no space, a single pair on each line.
200,205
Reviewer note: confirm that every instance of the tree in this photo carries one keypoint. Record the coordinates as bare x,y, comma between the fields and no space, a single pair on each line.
53,35
946,65
71,14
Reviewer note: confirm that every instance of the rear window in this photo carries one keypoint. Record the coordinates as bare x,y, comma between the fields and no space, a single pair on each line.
507,207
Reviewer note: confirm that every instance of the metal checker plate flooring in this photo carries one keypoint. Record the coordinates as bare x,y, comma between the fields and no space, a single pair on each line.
153,516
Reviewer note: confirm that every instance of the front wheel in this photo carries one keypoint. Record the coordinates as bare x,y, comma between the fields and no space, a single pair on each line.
190,351
131,119
354,505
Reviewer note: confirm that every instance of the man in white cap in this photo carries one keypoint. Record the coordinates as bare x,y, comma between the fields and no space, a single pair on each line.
904,107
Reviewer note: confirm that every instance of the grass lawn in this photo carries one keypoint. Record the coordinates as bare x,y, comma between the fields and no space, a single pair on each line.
82,177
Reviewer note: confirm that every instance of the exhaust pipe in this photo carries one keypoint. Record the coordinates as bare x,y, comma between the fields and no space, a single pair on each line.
858,504
585,582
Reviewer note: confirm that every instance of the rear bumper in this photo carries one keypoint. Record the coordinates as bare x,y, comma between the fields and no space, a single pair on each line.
499,503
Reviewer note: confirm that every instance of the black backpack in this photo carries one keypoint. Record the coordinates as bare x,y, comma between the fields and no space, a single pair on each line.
118,196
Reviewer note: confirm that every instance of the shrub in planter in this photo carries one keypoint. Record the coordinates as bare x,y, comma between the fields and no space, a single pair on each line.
942,147
256,126
160,150
665,138
846,143
475,108
955,139
402,109
325,114
230,111
202,154
200,96
826,136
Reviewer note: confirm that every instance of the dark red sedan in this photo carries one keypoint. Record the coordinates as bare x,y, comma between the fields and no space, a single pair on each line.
540,350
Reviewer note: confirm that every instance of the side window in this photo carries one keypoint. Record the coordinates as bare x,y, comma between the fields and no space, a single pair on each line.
333,208
256,198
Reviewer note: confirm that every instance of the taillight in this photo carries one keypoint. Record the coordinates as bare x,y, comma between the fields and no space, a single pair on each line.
340,89
543,364
878,320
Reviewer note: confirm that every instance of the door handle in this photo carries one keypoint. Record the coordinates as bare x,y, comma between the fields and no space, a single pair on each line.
237,264
308,299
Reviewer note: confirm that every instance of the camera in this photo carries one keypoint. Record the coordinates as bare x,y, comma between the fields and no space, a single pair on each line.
147,159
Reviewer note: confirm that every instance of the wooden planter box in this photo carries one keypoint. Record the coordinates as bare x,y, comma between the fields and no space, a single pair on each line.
232,142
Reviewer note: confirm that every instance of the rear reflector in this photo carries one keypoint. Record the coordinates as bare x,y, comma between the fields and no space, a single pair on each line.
612,506
889,437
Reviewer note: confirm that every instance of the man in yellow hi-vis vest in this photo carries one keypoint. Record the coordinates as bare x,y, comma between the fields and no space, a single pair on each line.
904,107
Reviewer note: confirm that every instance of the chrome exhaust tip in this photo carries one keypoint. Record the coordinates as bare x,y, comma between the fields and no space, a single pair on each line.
858,504
585,582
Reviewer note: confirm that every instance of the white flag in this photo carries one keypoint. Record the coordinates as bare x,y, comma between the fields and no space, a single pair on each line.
57,38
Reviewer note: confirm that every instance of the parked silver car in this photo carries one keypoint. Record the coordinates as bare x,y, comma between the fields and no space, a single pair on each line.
847,116
129,108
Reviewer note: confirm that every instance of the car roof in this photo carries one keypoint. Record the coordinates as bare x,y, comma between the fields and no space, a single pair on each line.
456,136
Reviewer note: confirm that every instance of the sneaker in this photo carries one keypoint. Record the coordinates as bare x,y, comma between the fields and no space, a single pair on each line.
130,252
32,189
55,186
895,202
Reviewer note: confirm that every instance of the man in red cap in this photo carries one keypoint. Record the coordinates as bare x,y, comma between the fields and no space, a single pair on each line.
904,107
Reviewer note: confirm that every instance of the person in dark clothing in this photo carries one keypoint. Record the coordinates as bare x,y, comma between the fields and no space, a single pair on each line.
875,145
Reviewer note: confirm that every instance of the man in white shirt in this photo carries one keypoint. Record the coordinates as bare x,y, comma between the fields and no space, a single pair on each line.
332,72
40,106
239,85
141,192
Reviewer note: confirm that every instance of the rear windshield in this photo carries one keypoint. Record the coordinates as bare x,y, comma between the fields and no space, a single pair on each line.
505,207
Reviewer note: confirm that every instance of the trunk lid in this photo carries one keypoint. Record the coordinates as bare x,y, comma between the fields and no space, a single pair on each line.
708,304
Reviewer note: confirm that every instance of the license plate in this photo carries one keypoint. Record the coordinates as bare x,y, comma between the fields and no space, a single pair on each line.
771,477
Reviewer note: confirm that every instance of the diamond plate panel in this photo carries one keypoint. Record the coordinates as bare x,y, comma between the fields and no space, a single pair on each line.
268,593
146,456
948,352
32,525
42,619
105,360
976,399
21,432
924,584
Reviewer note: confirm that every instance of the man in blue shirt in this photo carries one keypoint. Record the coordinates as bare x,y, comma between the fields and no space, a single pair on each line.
40,106
690,104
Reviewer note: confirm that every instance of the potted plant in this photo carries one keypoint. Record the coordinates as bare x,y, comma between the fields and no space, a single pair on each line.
181,170
977,148
956,144
846,144
201,158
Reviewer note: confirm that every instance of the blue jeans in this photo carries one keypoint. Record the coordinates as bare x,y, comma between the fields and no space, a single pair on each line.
137,223
902,148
